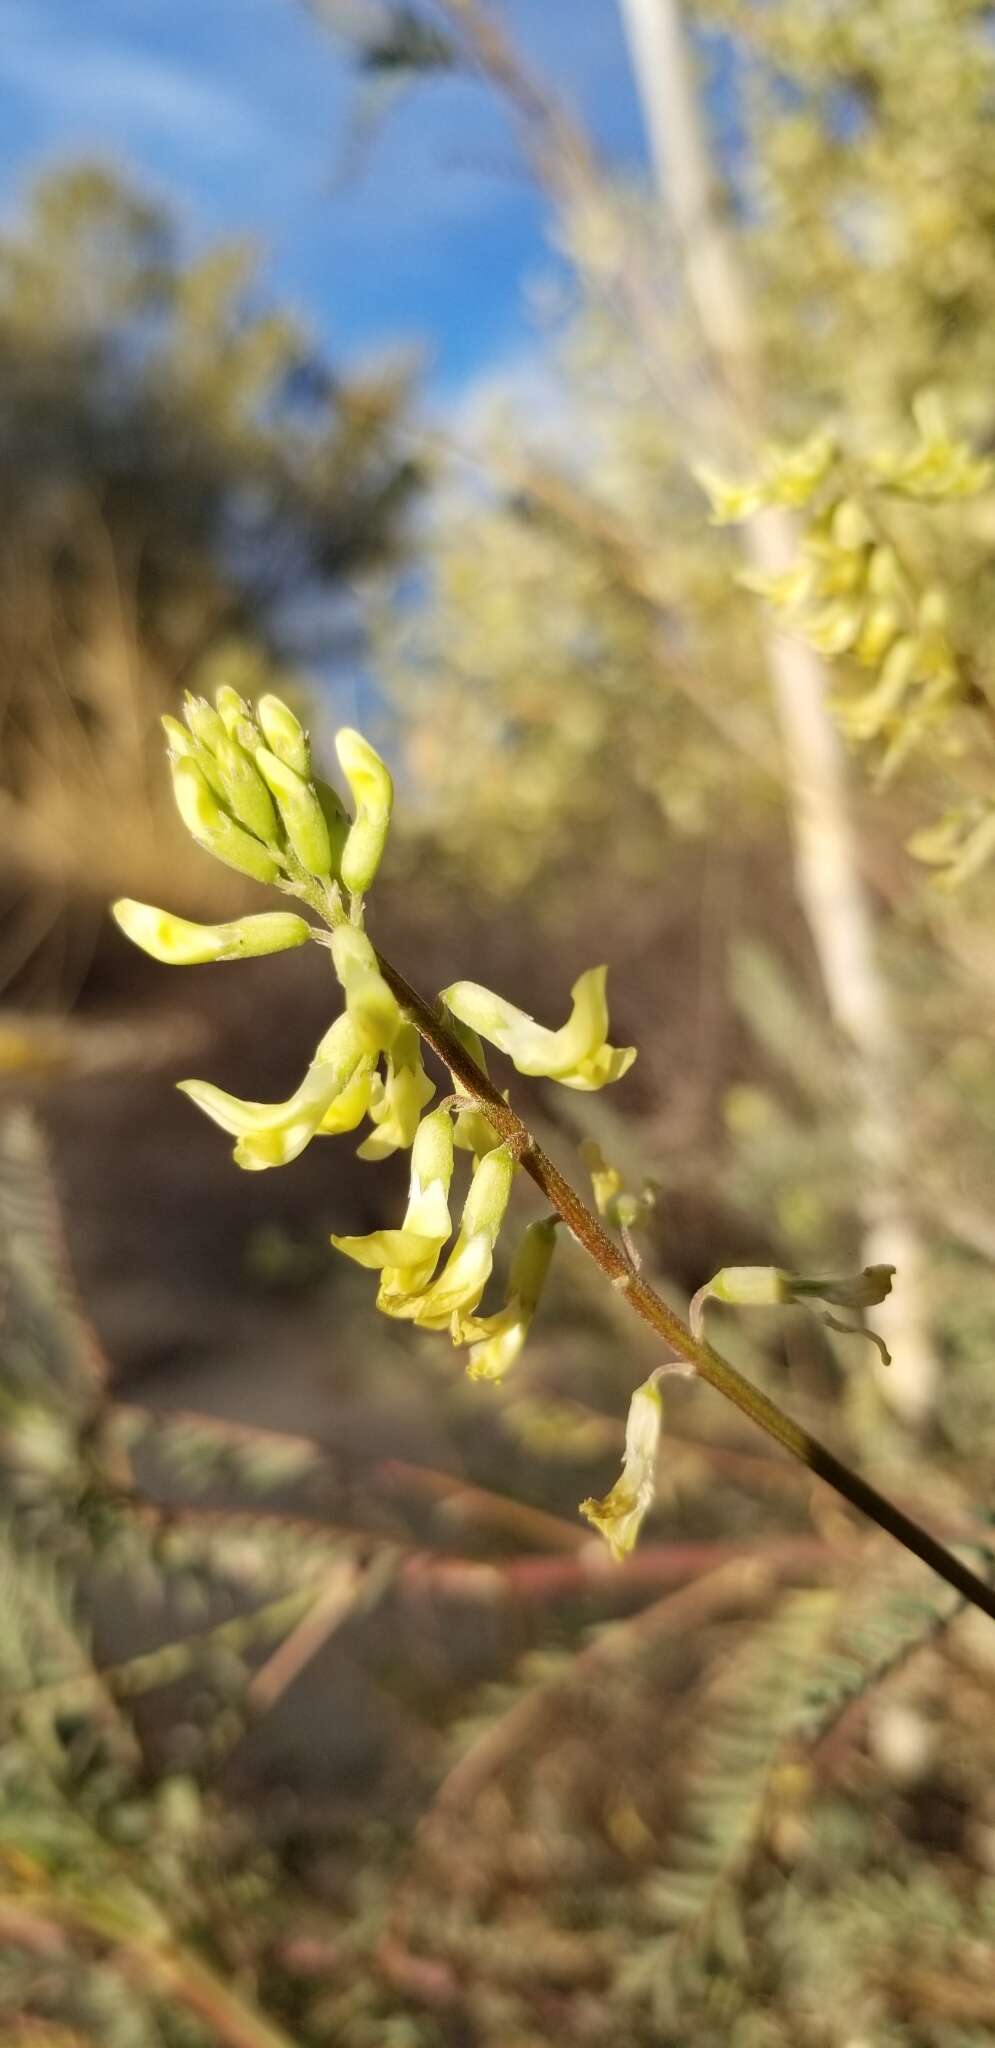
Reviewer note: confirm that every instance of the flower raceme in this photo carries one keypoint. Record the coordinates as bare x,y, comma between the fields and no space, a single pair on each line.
245,788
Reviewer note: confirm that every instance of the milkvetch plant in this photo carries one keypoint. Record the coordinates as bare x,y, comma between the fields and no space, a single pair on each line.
246,789
856,596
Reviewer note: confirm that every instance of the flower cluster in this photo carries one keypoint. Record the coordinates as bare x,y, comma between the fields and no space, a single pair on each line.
853,596
246,790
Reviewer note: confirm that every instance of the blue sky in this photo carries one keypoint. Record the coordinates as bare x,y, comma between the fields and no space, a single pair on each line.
238,111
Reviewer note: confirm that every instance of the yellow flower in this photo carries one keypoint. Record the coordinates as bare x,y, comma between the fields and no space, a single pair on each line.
578,1055
408,1257
620,1515
496,1341
273,1133
372,792
397,1103
179,943
369,1002
459,1286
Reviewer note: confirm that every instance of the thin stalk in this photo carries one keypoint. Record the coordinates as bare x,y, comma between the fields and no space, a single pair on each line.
707,1363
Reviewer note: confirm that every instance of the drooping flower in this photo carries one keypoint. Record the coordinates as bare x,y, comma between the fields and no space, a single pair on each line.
578,1055
770,1287
407,1258
496,1341
458,1288
620,1514
396,1103
273,1133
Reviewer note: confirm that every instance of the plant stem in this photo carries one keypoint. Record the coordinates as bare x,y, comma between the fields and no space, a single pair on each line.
706,1362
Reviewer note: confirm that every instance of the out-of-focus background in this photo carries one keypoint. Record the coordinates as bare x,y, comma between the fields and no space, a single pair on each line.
370,353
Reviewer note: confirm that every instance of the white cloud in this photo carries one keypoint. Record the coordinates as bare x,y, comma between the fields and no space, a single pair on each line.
105,90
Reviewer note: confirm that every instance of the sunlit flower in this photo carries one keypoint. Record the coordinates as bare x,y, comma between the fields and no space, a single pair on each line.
408,1257
396,1103
578,1055
459,1286
179,943
369,1002
273,1133
496,1341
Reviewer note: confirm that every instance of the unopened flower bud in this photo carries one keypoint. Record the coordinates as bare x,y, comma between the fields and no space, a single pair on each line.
302,815
372,793
203,721
336,818
231,708
179,943
246,793
214,829
284,735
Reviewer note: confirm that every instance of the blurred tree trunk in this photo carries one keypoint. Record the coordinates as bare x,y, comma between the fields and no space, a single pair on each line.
829,880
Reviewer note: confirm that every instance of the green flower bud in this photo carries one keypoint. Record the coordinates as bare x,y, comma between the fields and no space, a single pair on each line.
336,818
302,815
213,829
203,721
231,708
284,735
374,1010
731,503
181,743
489,1193
620,1515
179,943
372,793
246,793
182,746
